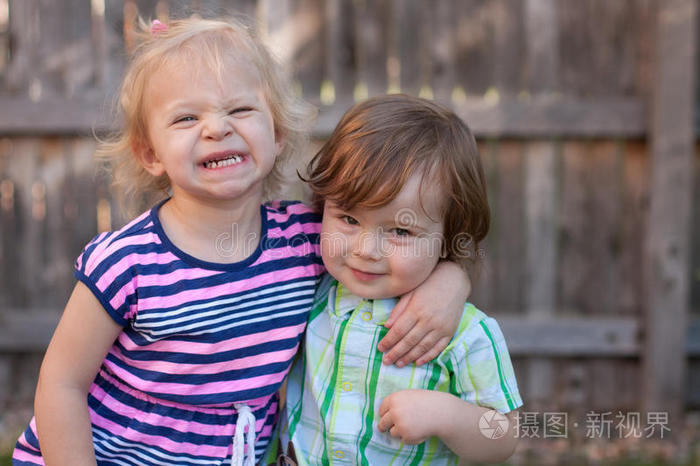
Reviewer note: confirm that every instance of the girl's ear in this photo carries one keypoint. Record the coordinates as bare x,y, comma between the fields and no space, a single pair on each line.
279,143
148,158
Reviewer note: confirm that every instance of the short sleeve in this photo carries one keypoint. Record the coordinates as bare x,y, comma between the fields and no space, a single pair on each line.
103,268
296,212
298,224
482,367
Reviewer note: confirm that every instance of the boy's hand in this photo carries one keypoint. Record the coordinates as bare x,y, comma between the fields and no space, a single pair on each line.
411,415
425,320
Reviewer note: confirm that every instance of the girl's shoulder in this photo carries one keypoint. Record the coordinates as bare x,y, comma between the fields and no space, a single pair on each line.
109,263
284,214
112,246
290,207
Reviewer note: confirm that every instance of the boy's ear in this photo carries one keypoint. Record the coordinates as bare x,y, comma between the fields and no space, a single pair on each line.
148,158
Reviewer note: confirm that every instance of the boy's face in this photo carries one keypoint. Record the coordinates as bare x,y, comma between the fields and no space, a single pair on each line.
388,251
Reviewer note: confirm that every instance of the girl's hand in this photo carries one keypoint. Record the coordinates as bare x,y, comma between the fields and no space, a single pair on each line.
425,320
412,415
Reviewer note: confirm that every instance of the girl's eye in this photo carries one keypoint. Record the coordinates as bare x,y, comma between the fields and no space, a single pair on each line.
349,220
240,110
184,118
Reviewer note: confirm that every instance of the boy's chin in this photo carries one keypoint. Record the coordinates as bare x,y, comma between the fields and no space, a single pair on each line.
369,292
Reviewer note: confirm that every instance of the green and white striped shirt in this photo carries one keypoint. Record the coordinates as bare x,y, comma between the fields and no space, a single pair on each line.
336,387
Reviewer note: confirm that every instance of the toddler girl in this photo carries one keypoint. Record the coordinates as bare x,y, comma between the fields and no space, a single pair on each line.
183,324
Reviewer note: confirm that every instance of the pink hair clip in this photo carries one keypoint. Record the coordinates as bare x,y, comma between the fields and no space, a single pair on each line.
157,27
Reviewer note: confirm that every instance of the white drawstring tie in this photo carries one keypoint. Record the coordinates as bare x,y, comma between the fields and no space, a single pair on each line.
245,419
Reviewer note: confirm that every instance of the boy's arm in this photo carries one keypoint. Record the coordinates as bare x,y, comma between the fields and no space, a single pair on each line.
480,369
453,420
78,347
423,322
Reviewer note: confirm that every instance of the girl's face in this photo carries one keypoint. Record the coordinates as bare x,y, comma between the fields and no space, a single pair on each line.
214,138
388,251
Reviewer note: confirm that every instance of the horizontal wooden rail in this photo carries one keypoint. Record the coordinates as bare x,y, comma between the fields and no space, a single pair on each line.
21,116
24,331
573,336
560,337
535,117
548,117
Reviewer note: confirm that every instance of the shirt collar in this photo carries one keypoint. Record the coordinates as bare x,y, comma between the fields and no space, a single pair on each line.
345,302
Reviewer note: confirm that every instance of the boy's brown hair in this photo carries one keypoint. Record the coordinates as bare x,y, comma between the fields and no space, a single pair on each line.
381,142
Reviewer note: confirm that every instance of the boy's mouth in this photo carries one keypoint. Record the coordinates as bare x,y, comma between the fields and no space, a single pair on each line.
223,161
365,276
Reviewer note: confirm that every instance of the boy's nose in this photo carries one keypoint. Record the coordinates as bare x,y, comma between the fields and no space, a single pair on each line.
368,246
216,128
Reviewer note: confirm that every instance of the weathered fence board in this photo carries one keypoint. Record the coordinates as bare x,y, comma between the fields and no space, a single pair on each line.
541,192
372,47
340,53
603,234
668,241
509,47
24,31
574,269
484,272
508,216
308,52
540,229
542,46
634,210
440,29
539,296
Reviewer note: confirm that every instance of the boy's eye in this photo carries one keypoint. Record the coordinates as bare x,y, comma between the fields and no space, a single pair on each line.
349,220
400,232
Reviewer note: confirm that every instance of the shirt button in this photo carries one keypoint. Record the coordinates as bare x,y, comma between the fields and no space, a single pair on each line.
347,386
366,316
339,454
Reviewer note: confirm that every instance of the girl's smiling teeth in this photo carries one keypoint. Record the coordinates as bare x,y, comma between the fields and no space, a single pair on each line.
225,162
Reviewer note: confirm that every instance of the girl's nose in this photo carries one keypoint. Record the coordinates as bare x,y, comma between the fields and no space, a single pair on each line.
217,128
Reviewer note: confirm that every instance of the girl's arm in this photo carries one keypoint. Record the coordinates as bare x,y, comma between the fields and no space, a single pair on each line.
423,322
79,345
453,420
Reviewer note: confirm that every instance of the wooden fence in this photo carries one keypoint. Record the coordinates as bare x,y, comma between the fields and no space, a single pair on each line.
583,112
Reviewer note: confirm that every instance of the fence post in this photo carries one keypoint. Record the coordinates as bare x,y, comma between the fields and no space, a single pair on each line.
668,241
540,194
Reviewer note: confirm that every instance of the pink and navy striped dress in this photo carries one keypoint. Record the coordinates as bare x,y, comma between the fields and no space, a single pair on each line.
198,337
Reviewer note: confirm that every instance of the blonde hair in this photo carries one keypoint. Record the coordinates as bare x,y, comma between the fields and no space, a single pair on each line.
210,42
382,142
